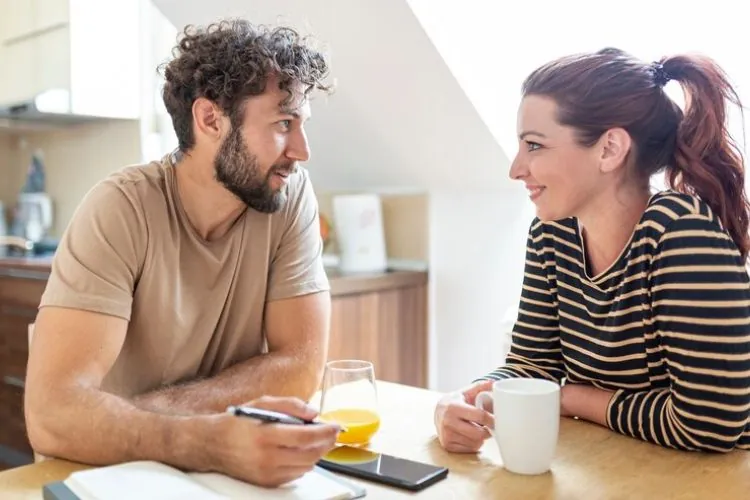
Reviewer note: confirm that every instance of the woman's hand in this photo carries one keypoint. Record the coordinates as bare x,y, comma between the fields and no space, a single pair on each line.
462,427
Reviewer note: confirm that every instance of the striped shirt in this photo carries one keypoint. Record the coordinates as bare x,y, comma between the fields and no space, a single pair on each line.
666,327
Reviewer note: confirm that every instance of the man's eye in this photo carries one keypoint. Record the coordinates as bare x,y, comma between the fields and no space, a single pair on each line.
285,123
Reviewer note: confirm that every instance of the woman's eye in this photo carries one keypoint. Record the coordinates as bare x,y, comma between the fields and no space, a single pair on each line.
532,146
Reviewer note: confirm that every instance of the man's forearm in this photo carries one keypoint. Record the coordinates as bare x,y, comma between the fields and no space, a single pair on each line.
99,428
274,374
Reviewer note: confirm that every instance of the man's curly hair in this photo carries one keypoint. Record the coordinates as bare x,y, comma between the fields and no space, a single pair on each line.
231,60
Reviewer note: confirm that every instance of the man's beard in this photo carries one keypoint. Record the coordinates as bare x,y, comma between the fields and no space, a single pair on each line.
237,169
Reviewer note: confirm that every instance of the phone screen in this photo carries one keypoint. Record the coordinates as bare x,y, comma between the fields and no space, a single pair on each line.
383,468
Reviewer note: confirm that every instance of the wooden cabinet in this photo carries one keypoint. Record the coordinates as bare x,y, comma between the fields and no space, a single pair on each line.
382,319
20,291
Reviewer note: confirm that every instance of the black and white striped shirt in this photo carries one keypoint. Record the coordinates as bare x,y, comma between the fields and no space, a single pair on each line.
667,326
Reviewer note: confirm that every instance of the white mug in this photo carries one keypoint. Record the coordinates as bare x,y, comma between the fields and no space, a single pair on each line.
527,422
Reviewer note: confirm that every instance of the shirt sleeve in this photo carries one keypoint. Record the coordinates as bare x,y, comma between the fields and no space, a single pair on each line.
535,348
297,265
100,255
700,299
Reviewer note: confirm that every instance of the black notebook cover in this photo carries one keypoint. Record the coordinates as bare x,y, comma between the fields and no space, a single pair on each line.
58,491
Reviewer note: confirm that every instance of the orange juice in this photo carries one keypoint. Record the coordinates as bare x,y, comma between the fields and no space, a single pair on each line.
351,455
360,425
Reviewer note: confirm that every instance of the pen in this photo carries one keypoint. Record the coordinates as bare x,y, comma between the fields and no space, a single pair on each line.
269,416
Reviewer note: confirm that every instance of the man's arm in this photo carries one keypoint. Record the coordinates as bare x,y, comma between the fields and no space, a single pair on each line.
68,415
78,334
297,332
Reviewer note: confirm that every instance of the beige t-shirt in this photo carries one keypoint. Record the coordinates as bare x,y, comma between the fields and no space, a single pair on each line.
194,307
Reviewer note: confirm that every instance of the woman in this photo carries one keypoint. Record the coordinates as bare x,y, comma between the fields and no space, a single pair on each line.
640,301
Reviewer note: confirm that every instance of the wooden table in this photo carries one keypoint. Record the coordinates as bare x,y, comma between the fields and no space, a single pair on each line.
591,462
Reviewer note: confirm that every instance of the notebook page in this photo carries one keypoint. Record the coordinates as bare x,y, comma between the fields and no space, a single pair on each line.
311,486
138,480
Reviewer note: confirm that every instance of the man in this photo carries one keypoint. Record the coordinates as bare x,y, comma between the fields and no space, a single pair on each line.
193,283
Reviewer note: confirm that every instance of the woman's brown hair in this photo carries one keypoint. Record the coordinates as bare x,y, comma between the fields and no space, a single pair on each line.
611,89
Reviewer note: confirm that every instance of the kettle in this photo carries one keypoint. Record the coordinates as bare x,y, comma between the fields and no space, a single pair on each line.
35,214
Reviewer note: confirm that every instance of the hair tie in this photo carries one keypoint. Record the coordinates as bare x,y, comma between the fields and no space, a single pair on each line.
661,77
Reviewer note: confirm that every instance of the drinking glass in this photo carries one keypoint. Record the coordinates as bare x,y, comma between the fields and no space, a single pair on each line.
349,398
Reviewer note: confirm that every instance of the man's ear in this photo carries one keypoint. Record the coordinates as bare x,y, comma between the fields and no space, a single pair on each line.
209,120
615,145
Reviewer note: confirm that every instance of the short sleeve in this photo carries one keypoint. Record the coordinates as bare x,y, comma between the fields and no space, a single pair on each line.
297,265
100,255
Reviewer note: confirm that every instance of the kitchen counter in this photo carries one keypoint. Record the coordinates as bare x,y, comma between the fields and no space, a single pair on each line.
341,284
26,267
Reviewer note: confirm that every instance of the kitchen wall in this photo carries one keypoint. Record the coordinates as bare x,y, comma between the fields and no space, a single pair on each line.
405,225
8,171
75,159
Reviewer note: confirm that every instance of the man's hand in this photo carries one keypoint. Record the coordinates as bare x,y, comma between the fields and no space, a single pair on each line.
270,454
462,427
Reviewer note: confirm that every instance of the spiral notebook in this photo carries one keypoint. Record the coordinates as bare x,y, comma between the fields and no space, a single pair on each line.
146,480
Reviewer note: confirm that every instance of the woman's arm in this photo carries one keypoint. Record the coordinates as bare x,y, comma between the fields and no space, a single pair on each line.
586,402
700,298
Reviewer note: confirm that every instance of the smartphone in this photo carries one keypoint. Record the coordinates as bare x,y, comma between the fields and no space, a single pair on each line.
382,468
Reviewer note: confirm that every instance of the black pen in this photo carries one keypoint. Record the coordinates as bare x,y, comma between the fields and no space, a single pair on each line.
269,416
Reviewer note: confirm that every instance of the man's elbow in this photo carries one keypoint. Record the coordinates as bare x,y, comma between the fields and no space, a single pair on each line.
309,376
41,414
313,379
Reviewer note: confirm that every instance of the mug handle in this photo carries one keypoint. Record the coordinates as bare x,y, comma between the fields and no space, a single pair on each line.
484,401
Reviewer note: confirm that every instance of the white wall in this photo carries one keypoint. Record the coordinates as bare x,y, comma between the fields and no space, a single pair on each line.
400,119
492,46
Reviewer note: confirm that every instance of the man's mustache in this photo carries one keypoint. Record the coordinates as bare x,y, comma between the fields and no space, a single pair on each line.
284,169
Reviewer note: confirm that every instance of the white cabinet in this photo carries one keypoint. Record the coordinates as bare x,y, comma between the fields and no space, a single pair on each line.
35,64
51,59
17,63
49,14
25,18
16,18
88,48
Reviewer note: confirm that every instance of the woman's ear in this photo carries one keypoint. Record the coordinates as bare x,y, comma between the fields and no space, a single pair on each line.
615,145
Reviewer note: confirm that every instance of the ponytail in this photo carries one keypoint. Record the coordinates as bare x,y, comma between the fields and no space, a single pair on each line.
706,161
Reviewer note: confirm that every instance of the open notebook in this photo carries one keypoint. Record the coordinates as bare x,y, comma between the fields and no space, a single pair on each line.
148,480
